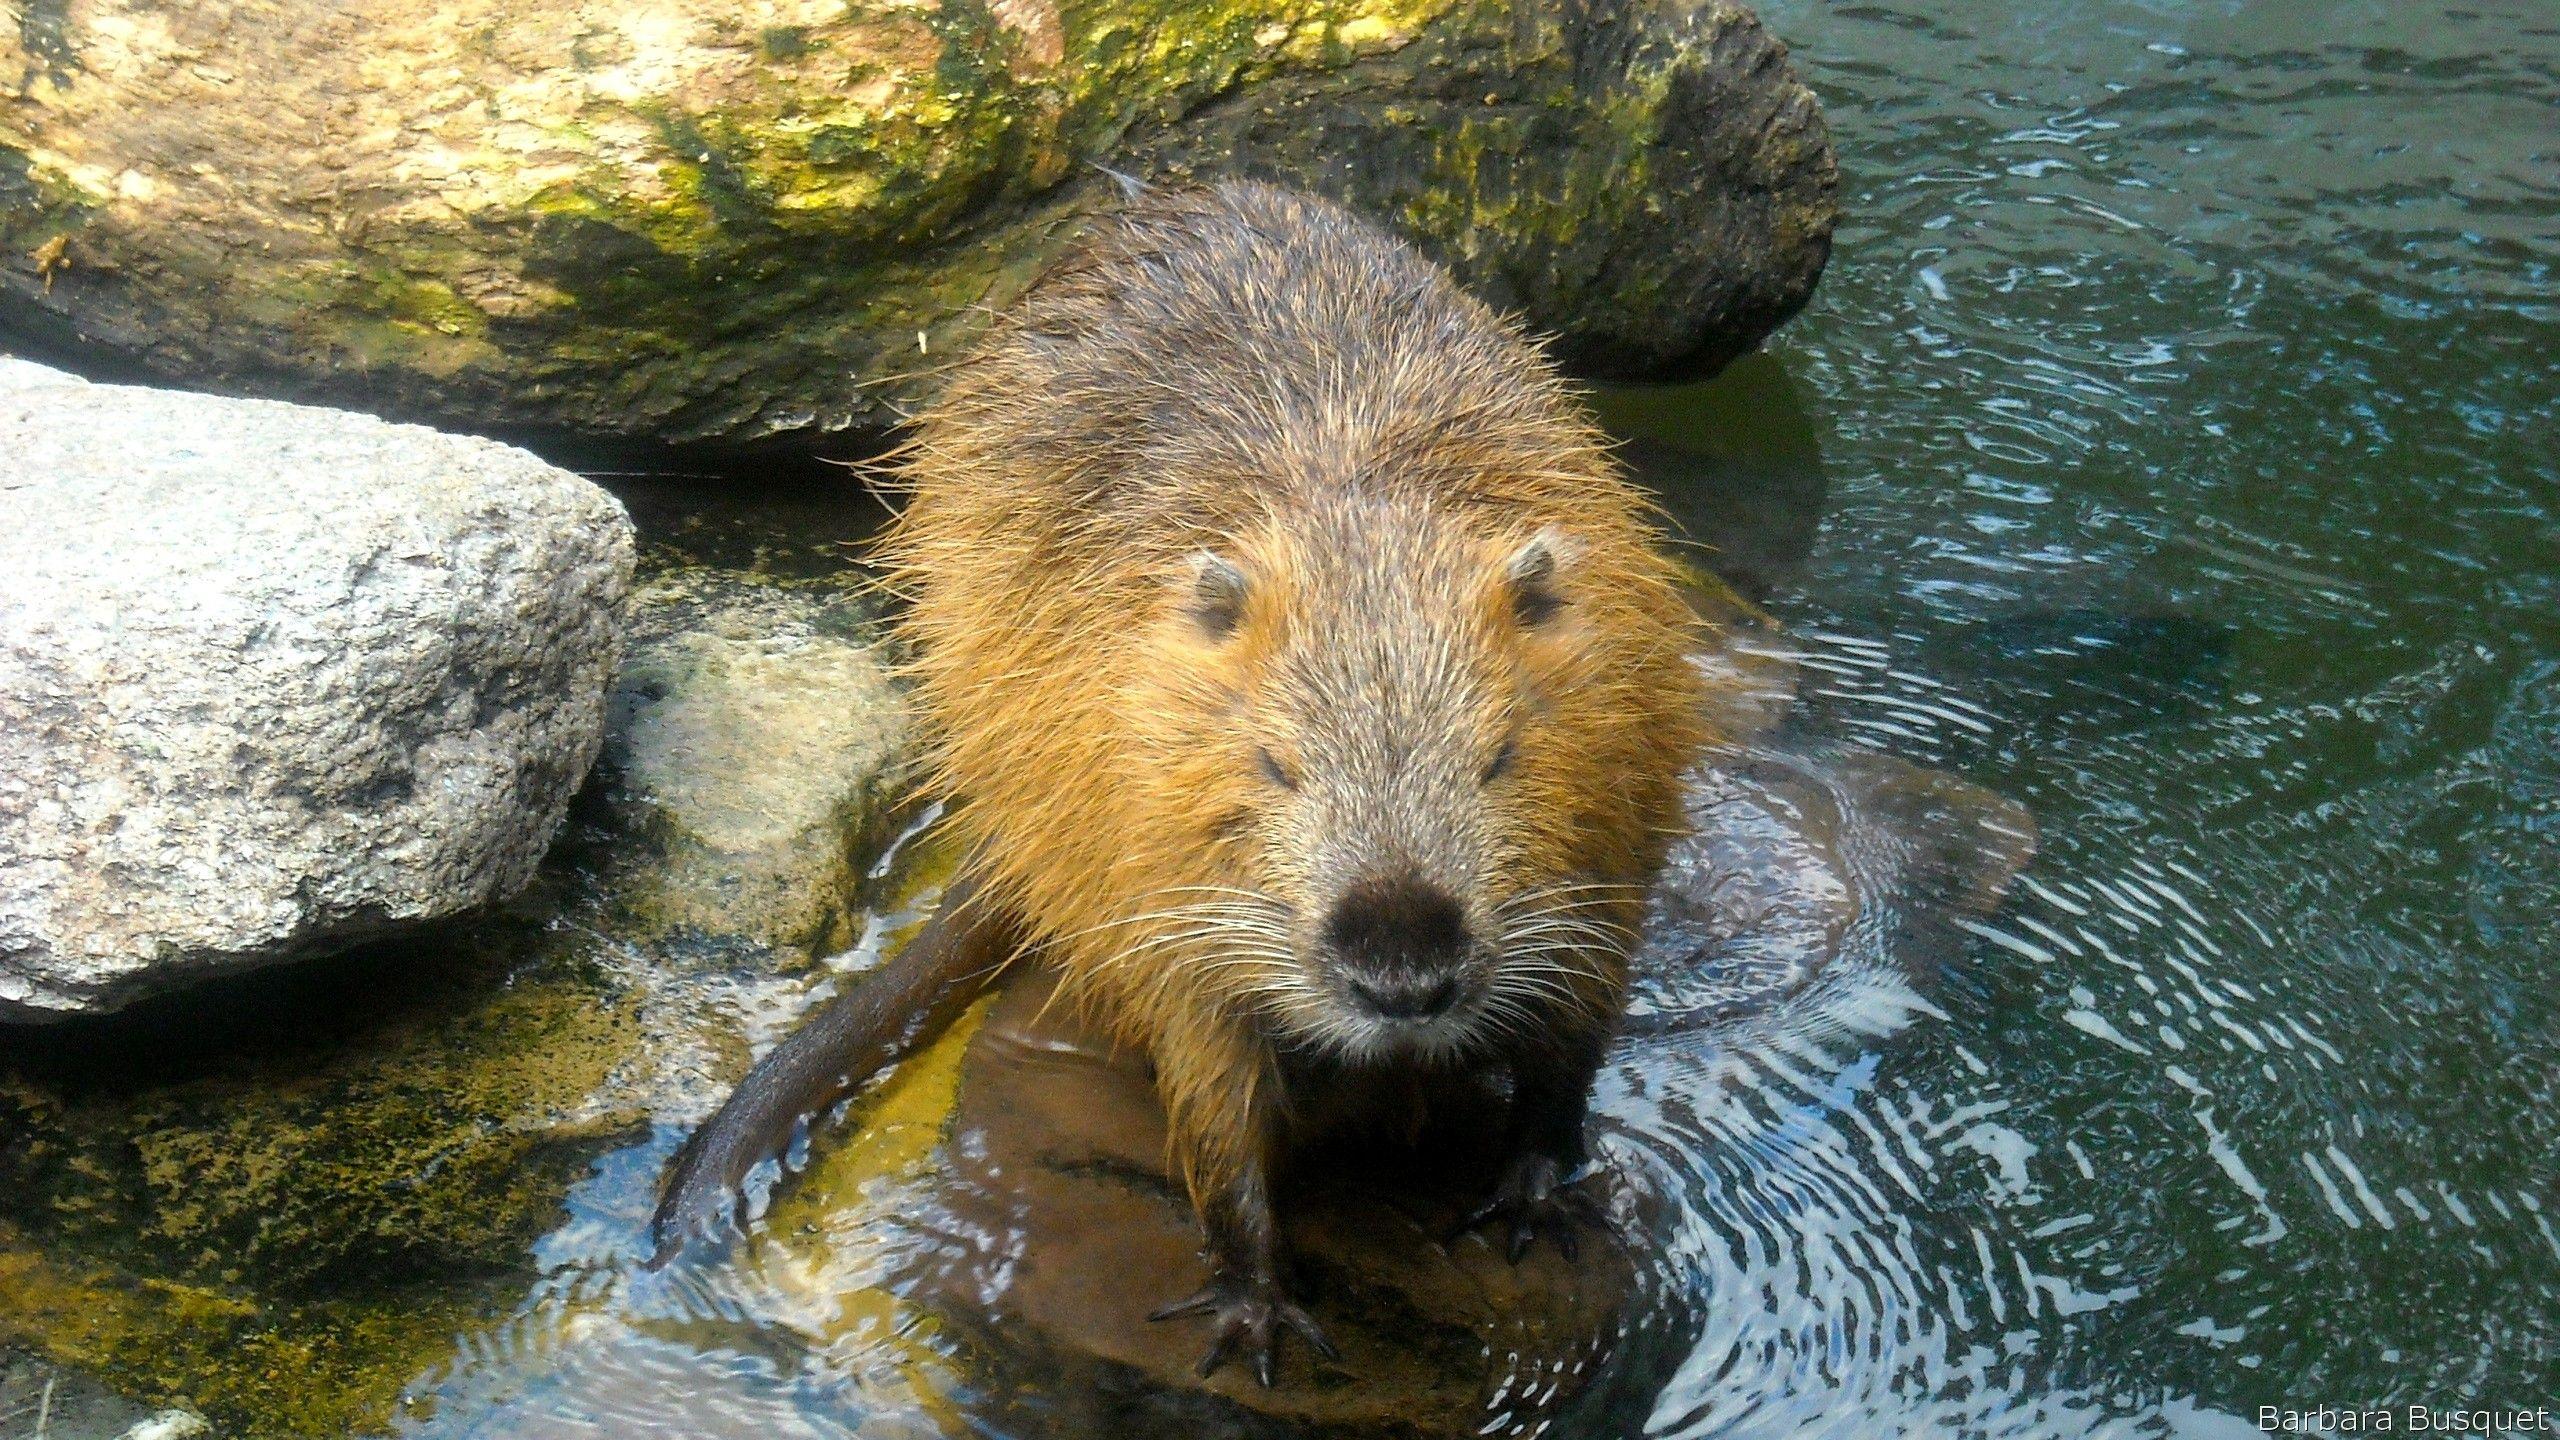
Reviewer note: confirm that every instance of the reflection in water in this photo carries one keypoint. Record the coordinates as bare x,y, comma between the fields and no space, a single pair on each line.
1738,464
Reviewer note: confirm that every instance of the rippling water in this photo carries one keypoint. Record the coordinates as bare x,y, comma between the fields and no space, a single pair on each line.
2181,400
2171,449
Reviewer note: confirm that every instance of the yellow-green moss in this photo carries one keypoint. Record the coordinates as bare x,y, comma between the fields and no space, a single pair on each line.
744,194
273,1372
282,1235
36,206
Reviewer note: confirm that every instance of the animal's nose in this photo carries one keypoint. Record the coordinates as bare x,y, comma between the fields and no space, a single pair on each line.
1407,997
1401,942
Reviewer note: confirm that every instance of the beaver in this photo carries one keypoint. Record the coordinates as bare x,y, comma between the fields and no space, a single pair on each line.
1308,687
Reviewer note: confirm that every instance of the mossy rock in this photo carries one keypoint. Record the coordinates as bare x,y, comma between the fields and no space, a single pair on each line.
737,219
276,1200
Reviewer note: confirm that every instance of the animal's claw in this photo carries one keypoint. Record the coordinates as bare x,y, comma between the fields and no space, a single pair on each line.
1248,1318
1535,1202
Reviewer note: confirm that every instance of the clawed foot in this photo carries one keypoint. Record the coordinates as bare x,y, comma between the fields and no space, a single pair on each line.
1247,1317
1534,1201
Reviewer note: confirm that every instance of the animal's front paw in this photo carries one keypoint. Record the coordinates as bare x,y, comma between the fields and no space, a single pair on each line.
1533,1200
1247,1316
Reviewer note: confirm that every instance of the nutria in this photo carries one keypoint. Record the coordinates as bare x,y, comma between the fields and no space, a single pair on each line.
1309,688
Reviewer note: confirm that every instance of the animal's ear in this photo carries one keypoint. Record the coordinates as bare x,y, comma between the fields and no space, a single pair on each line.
1217,594
1530,576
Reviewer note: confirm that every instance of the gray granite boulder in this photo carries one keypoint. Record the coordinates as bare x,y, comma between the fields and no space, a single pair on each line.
275,680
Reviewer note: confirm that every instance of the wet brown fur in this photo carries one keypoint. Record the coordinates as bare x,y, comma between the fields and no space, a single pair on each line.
1248,373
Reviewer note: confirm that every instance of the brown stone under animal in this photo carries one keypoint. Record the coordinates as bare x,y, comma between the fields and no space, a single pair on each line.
1311,696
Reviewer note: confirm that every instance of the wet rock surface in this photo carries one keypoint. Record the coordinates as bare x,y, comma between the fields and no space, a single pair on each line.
1805,860
758,743
276,680
733,219
1056,1159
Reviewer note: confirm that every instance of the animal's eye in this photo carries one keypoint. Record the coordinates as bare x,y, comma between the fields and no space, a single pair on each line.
1500,764
1272,770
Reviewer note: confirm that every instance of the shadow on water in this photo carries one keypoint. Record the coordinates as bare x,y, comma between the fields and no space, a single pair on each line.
1737,462
785,514
264,1026
2087,667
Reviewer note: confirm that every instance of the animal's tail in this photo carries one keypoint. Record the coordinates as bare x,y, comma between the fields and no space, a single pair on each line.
878,1019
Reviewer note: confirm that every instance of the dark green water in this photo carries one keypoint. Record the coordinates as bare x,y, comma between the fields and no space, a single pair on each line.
2179,411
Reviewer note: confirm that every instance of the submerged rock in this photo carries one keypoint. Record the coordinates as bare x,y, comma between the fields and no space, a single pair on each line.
730,219
756,740
745,808
1812,871
1056,1172
275,680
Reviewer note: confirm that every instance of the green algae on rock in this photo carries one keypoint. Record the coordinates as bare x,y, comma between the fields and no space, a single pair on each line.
278,1201
732,219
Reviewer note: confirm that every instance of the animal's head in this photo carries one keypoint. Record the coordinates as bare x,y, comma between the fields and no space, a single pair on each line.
1423,763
